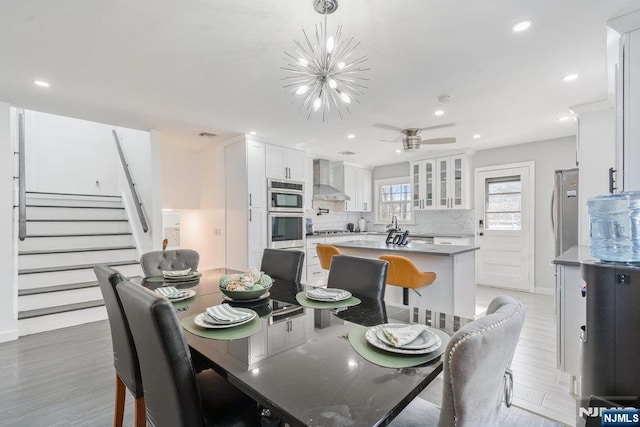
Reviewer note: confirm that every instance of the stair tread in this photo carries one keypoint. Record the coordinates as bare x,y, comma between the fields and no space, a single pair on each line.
74,207
64,251
72,194
79,235
73,267
59,288
59,309
77,220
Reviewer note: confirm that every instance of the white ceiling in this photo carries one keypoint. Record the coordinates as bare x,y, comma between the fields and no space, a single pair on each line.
192,65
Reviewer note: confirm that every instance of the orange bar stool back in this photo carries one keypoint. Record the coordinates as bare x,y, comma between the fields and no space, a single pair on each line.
326,253
404,273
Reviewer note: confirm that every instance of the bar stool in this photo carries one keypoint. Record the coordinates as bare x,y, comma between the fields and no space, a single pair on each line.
404,273
326,253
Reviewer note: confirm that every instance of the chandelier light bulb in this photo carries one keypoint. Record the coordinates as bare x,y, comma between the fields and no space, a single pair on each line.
332,84
345,98
302,90
316,104
341,65
303,62
330,44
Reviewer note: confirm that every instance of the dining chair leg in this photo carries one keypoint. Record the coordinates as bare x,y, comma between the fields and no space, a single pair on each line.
141,413
118,413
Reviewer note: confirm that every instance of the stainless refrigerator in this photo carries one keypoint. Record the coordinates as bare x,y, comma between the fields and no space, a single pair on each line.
564,209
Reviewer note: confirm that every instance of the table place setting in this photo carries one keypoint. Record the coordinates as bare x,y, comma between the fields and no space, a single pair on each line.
186,275
223,322
397,345
174,294
326,298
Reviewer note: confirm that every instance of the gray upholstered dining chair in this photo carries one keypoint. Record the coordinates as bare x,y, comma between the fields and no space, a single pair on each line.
154,262
362,276
283,264
174,395
125,358
477,381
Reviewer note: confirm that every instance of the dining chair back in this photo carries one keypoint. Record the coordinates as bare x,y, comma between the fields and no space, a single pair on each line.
326,254
477,380
361,276
283,264
125,358
174,395
154,262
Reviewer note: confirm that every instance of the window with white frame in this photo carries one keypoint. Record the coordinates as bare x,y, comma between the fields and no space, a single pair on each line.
393,198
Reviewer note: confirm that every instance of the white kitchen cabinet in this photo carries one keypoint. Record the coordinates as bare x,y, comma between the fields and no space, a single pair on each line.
245,205
284,163
454,241
286,334
356,183
308,182
441,183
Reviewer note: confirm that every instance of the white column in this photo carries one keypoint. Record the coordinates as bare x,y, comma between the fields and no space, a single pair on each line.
8,262
156,191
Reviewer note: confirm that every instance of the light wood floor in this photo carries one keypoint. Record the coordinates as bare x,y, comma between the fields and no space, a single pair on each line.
538,386
65,377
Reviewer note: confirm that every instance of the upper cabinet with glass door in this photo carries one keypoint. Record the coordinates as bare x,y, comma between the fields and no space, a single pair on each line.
442,183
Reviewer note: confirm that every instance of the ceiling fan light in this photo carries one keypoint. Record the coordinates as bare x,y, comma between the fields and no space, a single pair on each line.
411,143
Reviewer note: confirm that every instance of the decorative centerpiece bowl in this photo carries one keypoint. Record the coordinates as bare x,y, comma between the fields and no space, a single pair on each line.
249,285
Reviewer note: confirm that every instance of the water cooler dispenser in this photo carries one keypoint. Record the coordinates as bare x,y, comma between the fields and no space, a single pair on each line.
611,337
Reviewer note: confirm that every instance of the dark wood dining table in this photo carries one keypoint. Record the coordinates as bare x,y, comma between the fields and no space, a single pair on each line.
301,365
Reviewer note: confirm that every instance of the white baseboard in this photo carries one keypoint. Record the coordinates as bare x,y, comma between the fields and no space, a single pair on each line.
544,291
10,335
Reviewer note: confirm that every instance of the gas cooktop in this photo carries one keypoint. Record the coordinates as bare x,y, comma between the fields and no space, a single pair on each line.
323,232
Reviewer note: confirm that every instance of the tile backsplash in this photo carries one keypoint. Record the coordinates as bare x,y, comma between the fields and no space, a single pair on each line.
435,221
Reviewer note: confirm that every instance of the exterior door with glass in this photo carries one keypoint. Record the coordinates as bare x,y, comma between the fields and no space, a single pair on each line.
504,223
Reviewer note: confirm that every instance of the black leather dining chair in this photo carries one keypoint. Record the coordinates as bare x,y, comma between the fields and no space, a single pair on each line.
283,264
154,262
125,358
361,276
174,395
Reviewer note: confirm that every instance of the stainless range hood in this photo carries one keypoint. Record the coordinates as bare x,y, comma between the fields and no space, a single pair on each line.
322,188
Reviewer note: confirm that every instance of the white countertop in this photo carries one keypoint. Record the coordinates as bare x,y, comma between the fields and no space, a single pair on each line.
444,250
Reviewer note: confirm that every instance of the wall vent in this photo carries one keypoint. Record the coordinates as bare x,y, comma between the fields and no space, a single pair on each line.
207,134
347,153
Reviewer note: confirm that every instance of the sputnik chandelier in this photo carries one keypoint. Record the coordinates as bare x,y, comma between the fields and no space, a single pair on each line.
325,72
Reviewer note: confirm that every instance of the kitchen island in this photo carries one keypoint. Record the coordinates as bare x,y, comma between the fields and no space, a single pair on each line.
453,291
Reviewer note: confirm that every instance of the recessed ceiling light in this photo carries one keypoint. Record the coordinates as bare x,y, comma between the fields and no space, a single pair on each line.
477,136
563,118
41,83
253,132
521,26
439,112
351,136
570,77
398,151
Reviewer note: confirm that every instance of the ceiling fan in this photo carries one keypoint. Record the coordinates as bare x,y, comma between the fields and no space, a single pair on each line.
412,140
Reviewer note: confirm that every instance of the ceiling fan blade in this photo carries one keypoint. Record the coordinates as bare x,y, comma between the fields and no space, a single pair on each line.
387,140
442,126
387,127
450,140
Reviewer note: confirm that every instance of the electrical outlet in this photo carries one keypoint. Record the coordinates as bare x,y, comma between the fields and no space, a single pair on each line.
97,183
216,231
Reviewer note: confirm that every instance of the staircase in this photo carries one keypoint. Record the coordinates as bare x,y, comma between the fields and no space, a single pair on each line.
67,234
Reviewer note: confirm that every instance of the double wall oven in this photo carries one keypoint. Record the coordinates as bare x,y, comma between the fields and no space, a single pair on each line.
285,218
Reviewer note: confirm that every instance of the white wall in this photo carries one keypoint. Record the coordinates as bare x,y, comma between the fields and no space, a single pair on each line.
194,187
8,272
69,155
548,156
